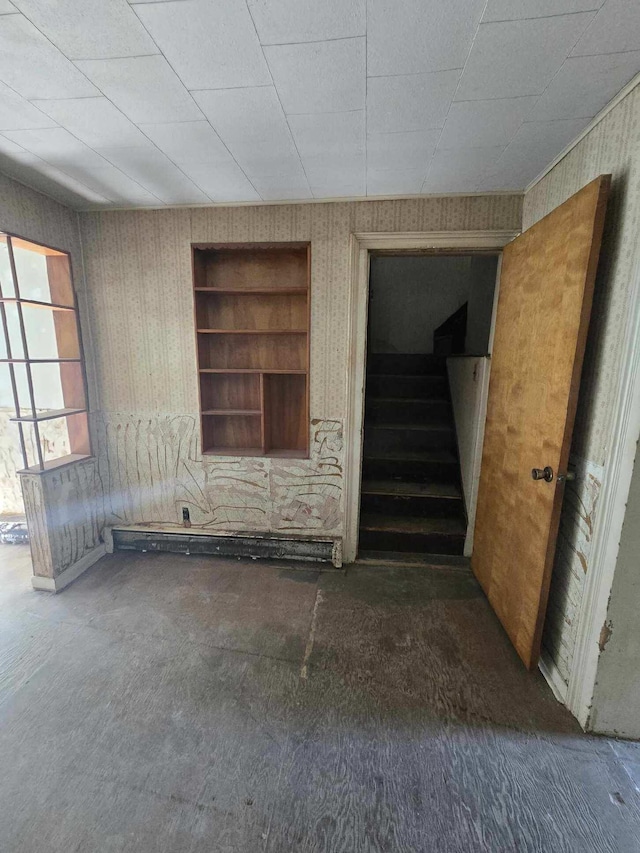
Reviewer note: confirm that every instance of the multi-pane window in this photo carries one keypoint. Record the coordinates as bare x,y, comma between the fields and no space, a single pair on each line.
42,376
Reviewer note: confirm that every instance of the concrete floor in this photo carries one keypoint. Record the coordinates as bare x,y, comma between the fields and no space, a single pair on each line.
183,704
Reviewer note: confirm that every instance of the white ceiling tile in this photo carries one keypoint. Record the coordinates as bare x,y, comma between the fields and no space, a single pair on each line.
6,7
333,136
398,152
221,182
116,186
616,27
402,182
325,170
585,84
145,88
282,187
57,146
16,113
533,147
7,146
519,57
252,125
31,65
335,189
89,29
95,121
210,45
419,35
286,21
481,124
511,10
409,102
456,170
45,178
156,173
319,77
188,142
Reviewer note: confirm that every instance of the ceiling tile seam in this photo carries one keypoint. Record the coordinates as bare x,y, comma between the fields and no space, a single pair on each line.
286,118
221,88
606,53
75,59
542,17
204,117
15,92
466,62
416,73
311,41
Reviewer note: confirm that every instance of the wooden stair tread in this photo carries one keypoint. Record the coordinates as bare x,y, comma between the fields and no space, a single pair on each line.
410,524
445,456
413,426
401,488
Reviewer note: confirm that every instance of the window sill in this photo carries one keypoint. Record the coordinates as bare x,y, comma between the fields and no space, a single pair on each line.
56,464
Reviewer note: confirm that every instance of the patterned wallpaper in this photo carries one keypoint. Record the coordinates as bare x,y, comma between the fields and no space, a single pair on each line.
139,292
613,146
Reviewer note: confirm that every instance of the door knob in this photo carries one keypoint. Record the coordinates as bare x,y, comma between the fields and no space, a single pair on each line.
542,473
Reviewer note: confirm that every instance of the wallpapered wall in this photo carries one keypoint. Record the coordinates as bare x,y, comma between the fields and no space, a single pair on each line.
62,526
613,146
138,271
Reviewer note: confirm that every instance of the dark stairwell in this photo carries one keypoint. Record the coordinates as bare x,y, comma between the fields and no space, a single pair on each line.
411,500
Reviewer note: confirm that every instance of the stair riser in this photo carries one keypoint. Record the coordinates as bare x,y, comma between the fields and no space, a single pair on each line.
407,386
410,472
419,543
422,507
427,365
394,440
408,412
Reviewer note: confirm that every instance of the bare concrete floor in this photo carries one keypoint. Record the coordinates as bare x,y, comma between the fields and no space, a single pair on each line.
183,704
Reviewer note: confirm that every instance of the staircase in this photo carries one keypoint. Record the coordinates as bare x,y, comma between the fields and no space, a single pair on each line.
411,499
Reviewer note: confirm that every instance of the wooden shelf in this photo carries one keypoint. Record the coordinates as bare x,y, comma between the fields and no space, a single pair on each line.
254,398
252,331
48,415
255,451
261,291
255,370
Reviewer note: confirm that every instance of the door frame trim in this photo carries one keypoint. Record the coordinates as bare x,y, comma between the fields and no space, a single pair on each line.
612,499
361,244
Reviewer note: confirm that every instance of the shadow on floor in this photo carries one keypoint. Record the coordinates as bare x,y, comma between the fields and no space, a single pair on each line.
169,703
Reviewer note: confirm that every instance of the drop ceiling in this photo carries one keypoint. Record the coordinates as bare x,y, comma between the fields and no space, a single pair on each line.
109,103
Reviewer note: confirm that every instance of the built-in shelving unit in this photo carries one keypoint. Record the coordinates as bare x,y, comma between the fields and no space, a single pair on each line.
252,330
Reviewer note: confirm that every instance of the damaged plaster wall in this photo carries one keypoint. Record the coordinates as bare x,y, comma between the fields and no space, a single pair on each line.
612,146
139,285
616,699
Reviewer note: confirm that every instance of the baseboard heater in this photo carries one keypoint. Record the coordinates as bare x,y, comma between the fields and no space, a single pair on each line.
255,546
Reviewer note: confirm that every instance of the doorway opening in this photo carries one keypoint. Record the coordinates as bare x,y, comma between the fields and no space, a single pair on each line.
427,368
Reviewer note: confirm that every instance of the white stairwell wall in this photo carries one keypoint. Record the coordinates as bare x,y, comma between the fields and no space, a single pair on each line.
469,385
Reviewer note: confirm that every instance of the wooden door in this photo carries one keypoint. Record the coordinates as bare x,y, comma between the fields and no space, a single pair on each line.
546,289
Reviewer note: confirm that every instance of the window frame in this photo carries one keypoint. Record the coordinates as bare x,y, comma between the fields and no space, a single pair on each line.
28,413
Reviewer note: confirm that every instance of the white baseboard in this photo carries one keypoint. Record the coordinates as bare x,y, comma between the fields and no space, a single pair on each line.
553,678
69,575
